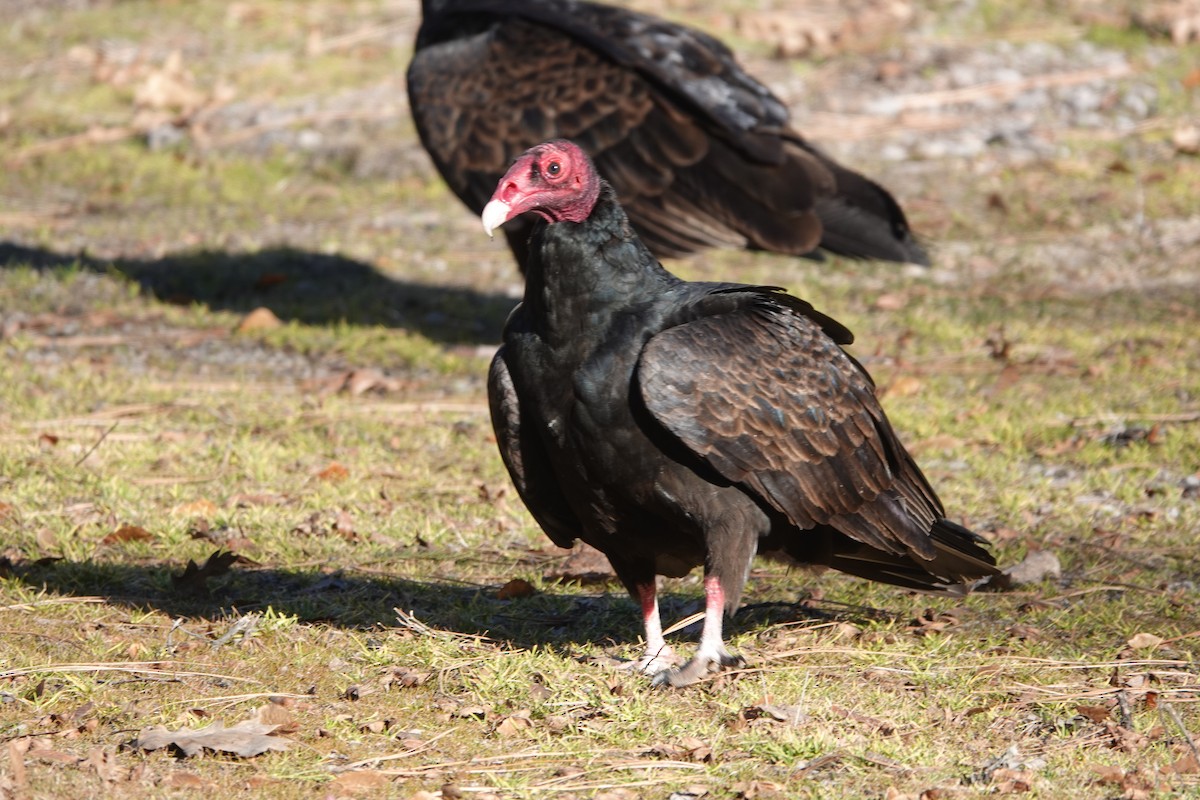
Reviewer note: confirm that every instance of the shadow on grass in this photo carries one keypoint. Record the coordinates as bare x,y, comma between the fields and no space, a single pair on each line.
300,285
348,599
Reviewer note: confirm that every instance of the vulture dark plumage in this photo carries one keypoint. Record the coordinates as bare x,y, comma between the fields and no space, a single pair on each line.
673,424
700,153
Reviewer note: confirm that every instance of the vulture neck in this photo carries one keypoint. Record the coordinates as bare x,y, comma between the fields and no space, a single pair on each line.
582,275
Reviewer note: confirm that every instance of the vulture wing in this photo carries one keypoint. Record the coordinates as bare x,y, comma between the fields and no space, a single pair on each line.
699,152
772,403
525,459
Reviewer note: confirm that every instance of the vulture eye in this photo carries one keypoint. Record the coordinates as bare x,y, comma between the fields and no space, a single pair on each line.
554,168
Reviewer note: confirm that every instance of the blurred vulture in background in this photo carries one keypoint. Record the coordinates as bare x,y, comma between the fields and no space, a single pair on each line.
700,153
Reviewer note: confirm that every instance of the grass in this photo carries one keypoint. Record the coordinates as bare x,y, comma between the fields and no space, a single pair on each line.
1044,373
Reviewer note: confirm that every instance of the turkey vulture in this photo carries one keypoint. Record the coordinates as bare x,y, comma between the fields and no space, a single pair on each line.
700,153
673,424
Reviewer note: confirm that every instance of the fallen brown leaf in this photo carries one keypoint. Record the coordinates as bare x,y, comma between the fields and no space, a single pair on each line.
1107,773
515,725
202,507
515,588
333,473
903,386
277,715
246,739
1144,641
1037,566
585,565
1188,765
128,533
104,762
1011,781
1097,714
260,319
359,780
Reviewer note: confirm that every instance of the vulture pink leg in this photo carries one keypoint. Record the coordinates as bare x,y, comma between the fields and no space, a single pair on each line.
711,655
658,656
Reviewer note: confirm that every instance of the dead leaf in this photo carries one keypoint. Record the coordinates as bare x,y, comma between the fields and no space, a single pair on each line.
128,533
515,725
1011,781
1188,765
260,319
169,88
275,714
1186,139
195,578
1107,773
361,381
1124,739
246,739
333,473
932,622
17,748
585,565
1037,566
261,499
48,439
471,712
359,780
891,302
695,749
404,677
1097,714
196,508
903,386
46,539
186,780
343,525
1144,641
517,587
791,714
104,761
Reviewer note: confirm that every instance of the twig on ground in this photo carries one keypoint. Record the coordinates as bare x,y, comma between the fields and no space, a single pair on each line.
99,442
369,762
1126,711
1187,737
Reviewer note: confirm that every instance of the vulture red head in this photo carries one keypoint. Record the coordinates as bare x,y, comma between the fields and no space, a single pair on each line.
555,180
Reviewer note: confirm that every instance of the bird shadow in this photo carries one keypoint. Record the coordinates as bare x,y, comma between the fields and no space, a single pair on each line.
346,598
300,285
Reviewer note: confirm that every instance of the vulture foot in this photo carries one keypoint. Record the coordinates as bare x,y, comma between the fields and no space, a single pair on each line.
699,667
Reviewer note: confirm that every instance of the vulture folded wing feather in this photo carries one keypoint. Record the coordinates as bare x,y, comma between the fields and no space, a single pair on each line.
525,459
811,442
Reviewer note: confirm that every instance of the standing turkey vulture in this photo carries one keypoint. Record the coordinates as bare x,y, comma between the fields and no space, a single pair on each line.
673,424
700,153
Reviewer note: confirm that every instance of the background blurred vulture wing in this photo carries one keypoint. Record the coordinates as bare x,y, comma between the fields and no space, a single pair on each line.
699,152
